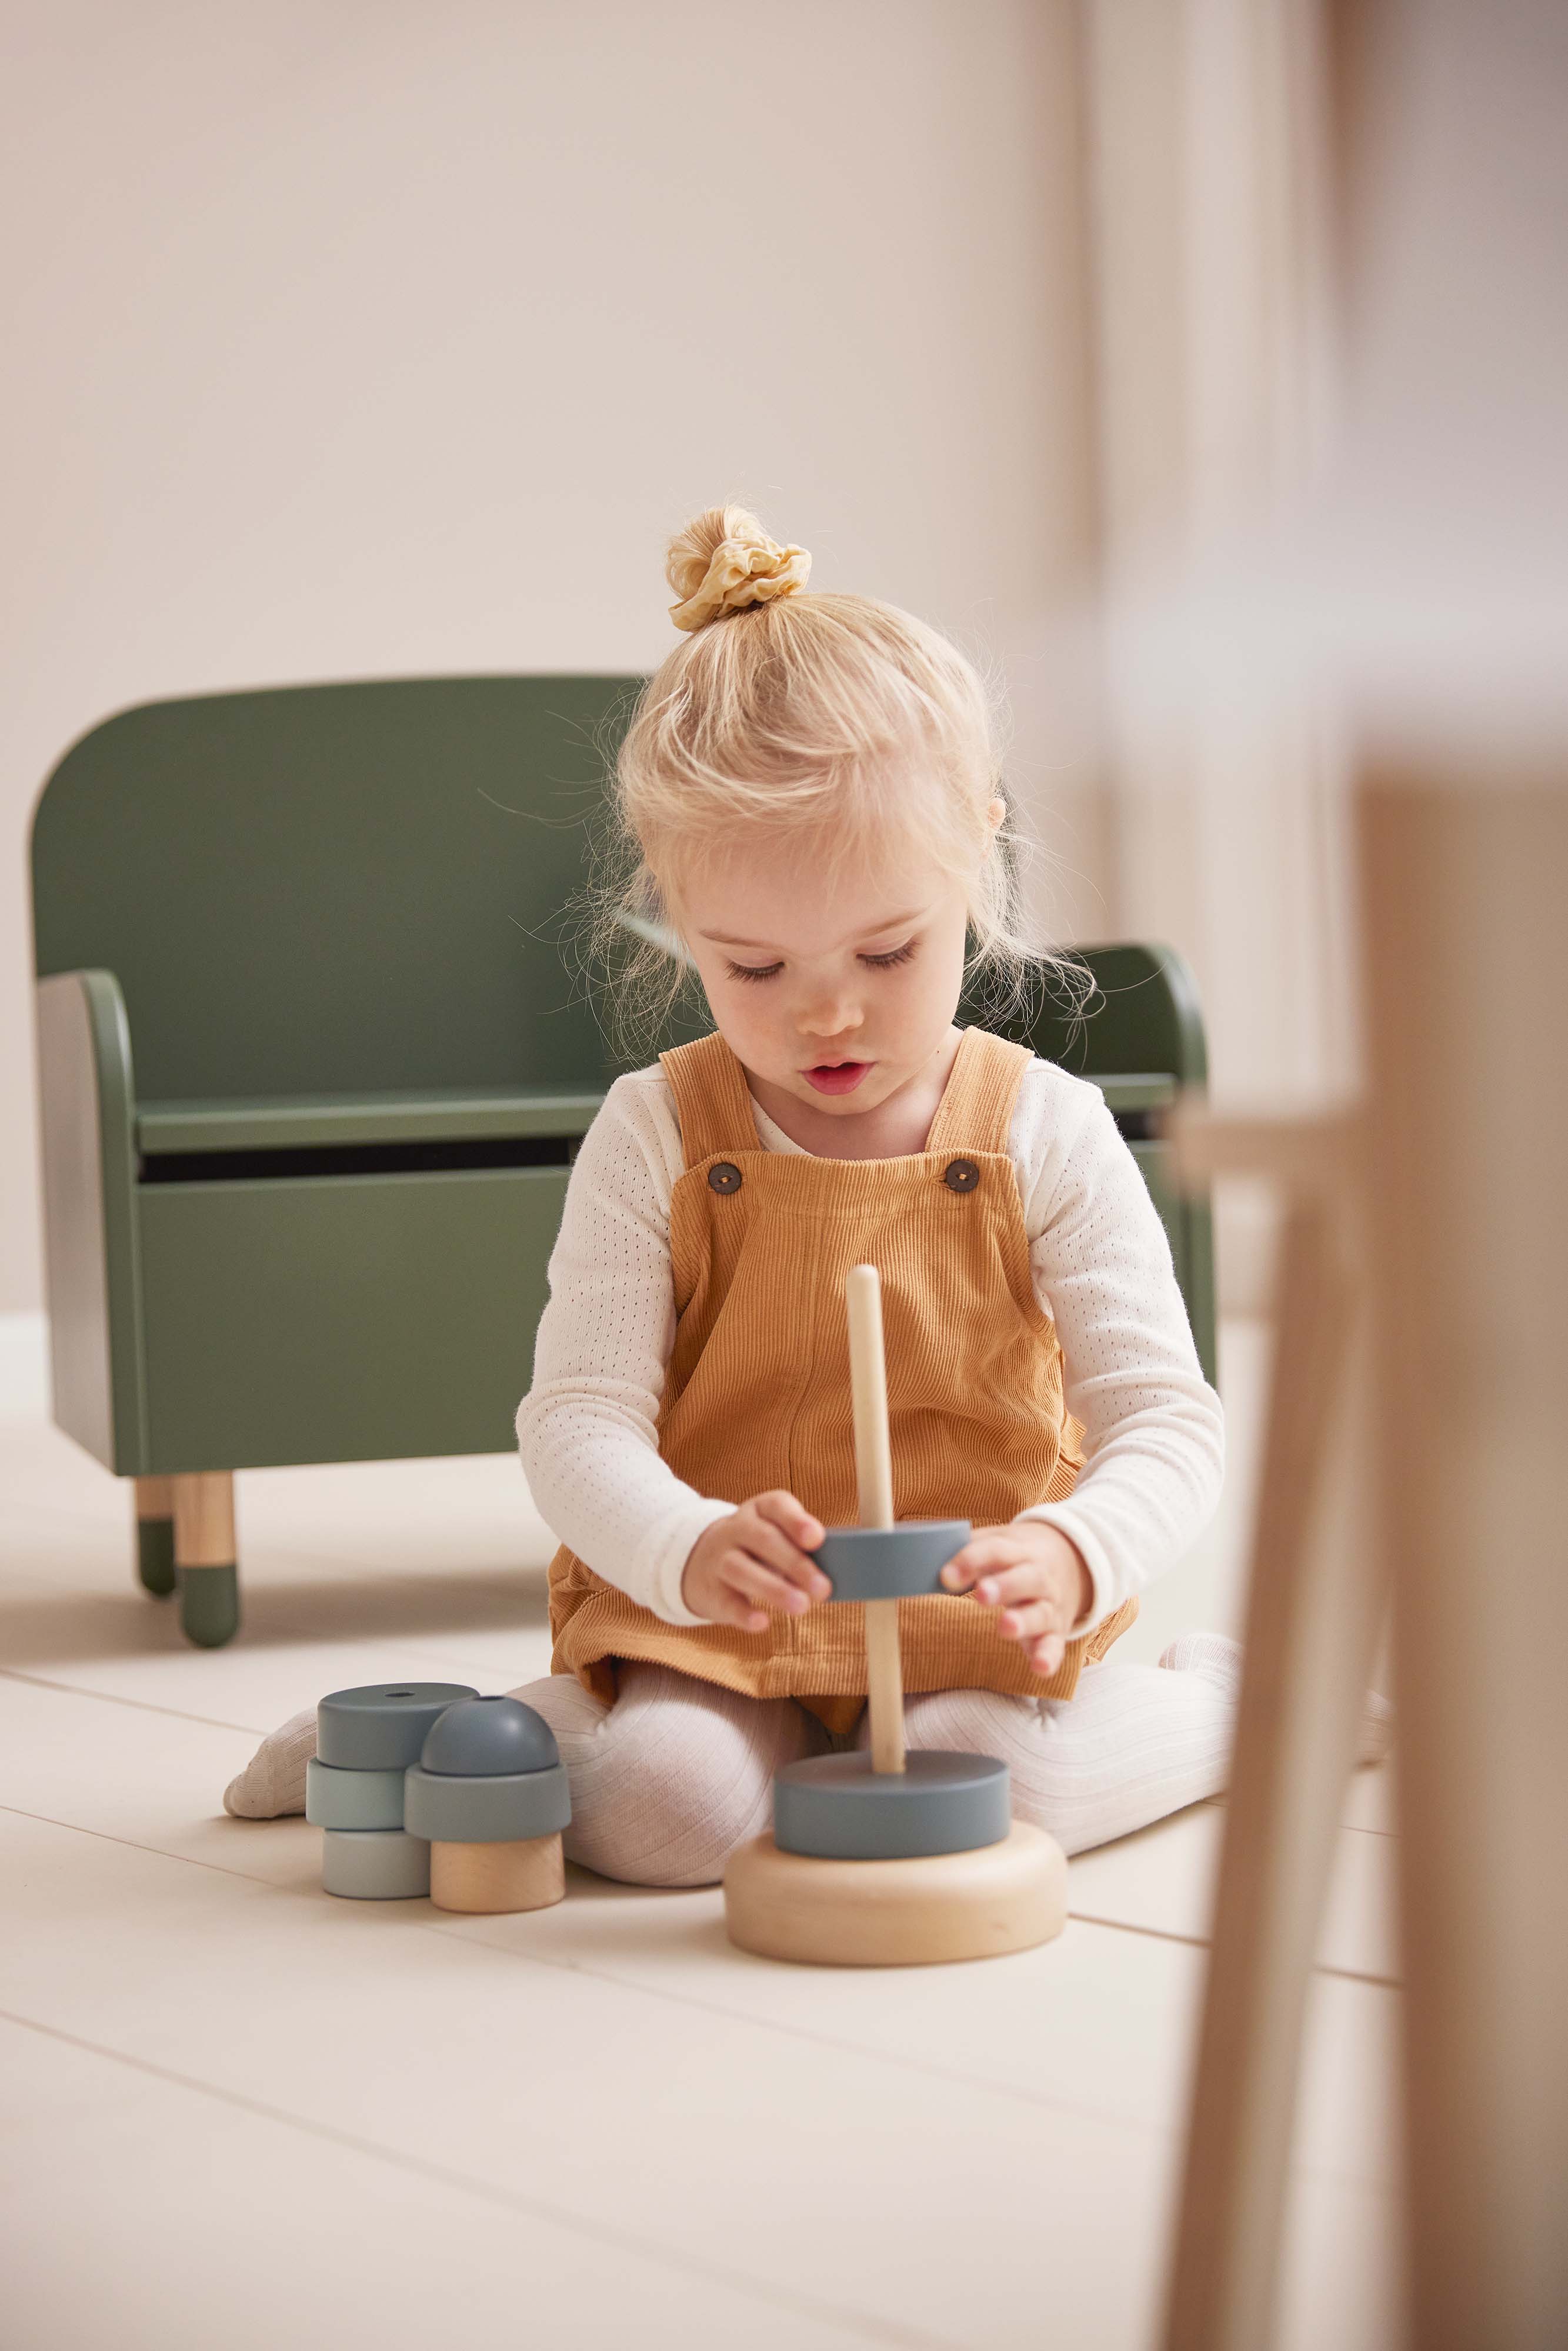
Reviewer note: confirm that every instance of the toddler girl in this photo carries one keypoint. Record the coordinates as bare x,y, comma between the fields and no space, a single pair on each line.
808,789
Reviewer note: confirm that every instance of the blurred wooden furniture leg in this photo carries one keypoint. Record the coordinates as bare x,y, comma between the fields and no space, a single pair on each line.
1464,885
204,1556
1315,1612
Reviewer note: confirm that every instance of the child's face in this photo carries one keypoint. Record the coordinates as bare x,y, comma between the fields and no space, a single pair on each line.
839,987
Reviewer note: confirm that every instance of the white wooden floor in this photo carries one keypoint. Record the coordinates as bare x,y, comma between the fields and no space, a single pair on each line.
234,2112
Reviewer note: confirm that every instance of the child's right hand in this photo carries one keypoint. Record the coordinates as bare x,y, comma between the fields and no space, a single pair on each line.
755,1560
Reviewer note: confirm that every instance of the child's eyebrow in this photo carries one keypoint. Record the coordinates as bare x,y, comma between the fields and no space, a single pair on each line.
766,947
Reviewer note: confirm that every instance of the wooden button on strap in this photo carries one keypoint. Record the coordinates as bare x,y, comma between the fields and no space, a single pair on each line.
959,1176
724,1176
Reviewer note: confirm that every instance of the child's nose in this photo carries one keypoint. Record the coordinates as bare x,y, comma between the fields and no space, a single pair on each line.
830,1017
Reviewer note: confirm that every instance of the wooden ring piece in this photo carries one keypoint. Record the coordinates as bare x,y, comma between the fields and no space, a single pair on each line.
493,1879
897,1914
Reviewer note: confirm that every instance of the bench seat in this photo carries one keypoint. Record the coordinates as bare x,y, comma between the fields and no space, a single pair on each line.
454,1114
315,1121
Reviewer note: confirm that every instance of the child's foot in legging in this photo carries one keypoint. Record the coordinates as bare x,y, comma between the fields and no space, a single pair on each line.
273,1782
1212,1655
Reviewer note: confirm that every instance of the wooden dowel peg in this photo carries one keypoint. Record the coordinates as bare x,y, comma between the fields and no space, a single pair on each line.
867,1388
884,1686
874,1465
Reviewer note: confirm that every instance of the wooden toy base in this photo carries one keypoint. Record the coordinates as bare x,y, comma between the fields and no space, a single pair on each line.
527,1873
895,1914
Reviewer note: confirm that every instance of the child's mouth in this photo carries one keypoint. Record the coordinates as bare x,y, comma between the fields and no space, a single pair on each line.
837,1076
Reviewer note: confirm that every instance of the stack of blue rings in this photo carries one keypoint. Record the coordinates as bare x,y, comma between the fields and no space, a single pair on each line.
365,1741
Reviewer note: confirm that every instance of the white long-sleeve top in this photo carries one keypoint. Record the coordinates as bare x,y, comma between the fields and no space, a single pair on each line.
588,1428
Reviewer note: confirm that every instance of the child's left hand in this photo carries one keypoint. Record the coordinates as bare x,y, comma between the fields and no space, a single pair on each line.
1034,1577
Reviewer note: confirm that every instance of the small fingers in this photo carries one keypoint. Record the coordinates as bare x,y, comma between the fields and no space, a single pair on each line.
765,1540
782,1509
743,1571
1034,1620
985,1551
1011,1586
1046,1656
728,1608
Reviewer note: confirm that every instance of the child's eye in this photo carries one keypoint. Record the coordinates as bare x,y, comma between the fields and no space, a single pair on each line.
886,962
754,970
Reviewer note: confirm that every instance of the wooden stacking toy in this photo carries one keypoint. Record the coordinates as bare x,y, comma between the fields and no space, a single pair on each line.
890,1859
490,1792
365,1741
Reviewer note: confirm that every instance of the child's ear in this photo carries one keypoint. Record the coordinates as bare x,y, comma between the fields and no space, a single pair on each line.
995,812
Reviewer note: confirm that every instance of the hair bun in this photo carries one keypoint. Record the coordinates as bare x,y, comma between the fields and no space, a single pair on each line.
724,562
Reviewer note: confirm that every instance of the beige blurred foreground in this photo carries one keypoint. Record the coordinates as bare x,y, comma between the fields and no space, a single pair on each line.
1424,1308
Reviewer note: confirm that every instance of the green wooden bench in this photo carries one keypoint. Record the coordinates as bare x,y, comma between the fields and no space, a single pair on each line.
314,1059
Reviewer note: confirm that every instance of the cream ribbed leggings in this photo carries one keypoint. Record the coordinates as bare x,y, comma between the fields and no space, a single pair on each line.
667,1781
670,1780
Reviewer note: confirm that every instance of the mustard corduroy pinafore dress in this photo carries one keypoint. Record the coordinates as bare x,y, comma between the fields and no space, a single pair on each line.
756,1394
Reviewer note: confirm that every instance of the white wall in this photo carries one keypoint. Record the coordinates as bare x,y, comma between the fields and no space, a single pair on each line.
365,339
1214,339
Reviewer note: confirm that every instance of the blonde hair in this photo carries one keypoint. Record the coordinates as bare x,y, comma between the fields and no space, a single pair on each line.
832,720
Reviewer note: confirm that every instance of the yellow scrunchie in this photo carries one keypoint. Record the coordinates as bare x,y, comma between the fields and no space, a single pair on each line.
742,572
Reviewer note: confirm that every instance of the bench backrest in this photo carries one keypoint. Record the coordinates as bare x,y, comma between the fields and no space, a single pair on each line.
330,889
337,888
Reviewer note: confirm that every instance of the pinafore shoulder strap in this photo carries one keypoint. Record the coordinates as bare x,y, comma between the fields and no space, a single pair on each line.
976,1112
713,1101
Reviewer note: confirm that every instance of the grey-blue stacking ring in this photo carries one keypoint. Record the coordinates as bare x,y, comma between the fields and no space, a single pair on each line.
890,1563
724,1176
838,1809
382,1726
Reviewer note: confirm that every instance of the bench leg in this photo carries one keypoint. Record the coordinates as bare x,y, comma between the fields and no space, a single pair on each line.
155,1535
205,1557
